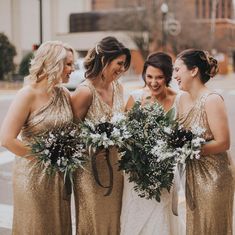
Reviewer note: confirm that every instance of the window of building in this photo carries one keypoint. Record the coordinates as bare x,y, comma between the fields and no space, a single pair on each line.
229,9
204,8
223,9
210,8
197,8
217,9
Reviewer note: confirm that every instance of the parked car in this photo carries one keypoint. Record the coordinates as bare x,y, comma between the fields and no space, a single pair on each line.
77,76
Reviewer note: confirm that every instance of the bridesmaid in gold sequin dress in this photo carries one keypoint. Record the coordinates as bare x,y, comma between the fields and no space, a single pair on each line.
39,200
209,182
100,96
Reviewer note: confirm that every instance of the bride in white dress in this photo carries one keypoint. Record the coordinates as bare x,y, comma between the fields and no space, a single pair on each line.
141,216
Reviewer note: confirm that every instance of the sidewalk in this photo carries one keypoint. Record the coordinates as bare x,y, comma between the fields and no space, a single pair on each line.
9,87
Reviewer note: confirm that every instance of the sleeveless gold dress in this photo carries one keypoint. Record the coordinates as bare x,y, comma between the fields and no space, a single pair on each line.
209,183
39,205
97,214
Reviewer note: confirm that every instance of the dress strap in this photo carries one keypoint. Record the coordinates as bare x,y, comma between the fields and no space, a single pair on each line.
204,97
91,87
177,100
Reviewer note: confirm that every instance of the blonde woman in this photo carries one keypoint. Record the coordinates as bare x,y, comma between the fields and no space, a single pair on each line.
39,206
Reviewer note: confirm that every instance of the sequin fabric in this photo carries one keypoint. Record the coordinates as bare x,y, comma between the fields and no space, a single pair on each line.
97,214
39,205
209,183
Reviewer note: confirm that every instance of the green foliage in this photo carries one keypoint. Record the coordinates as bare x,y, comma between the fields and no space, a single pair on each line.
148,160
25,64
7,53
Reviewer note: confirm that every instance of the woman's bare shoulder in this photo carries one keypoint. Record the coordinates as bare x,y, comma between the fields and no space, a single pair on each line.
26,93
83,94
214,101
83,89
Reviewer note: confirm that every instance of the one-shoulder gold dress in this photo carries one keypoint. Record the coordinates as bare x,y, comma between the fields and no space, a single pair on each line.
39,205
209,183
97,214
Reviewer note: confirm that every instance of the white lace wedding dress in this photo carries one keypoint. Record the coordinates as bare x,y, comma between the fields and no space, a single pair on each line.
141,216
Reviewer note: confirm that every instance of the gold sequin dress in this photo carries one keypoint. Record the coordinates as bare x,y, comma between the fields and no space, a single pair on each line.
209,183
39,204
97,214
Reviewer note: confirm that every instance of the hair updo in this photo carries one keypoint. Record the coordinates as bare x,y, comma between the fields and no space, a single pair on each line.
162,61
207,65
108,49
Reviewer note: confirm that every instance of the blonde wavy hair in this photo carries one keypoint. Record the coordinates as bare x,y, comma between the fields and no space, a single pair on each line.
49,62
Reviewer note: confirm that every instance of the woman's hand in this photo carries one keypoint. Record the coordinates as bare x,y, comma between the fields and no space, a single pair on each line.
14,121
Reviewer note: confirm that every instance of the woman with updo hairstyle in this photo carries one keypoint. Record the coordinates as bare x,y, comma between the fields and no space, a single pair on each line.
157,74
141,216
209,182
100,96
41,203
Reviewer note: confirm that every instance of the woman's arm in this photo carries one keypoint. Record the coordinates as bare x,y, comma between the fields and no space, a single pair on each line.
81,101
218,123
13,122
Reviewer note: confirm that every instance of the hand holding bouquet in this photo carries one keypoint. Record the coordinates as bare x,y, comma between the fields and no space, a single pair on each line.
156,145
100,136
60,150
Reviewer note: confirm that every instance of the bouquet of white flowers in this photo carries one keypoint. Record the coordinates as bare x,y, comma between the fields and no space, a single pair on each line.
156,144
105,133
60,150
187,143
102,135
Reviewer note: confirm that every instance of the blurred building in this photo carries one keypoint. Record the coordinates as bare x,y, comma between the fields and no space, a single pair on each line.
214,17
218,16
82,23
20,20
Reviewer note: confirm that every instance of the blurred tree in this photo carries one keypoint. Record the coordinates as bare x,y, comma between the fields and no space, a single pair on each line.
25,64
7,53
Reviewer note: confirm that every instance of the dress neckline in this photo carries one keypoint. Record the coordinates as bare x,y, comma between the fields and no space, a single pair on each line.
174,104
100,98
195,104
45,105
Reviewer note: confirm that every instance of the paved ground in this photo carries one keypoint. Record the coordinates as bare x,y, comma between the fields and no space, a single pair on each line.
224,85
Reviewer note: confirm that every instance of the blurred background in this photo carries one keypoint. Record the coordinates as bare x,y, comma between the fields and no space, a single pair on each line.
144,26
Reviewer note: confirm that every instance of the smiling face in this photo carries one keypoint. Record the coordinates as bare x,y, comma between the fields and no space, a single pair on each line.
68,67
155,80
183,75
115,68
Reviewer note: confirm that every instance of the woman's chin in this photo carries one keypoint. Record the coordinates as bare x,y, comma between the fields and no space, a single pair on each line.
65,80
181,87
155,92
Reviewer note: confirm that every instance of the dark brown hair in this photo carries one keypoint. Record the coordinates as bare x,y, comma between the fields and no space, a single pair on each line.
161,61
108,49
206,64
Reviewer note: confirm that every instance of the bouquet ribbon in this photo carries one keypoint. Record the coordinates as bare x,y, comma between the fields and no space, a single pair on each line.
96,173
67,189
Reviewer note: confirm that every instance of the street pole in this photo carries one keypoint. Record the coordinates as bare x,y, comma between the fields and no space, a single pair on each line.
163,31
213,21
40,21
164,10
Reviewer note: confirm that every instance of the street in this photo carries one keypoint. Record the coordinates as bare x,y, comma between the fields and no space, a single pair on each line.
225,85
